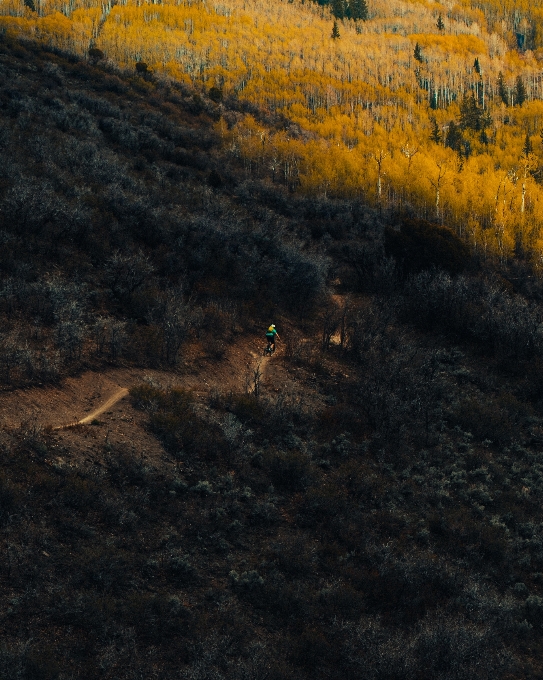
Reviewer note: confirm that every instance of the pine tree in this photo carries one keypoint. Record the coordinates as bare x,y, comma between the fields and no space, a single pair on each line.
477,66
335,31
440,23
502,90
95,54
463,152
470,114
485,119
358,10
338,9
528,148
435,135
418,53
142,69
454,139
520,92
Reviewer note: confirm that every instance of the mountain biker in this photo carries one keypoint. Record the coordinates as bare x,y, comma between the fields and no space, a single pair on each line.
271,335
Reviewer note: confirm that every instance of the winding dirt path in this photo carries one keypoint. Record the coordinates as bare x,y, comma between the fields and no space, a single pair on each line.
120,394
82,399
112,400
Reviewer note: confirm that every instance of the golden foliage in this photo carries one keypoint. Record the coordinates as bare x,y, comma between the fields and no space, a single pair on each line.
360,104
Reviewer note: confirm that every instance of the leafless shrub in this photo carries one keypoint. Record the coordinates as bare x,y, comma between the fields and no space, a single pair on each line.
125,273
176,319
10,355
253,379
331,320
70,336
295,345
109,336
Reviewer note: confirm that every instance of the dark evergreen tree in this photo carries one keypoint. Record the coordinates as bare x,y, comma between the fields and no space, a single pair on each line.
435,135
470,113
30,4
477,66
142,69
502,90
358,10
520,94
335,31
528,148
454,139
95,54
417,53
485,119
338,9
440,24
215,94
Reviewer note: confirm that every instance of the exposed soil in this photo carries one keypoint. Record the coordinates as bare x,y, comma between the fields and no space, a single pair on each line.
123,392
89,410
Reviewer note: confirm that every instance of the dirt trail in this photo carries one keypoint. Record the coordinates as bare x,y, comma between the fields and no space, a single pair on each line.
123,392
112,400
256,372
80,400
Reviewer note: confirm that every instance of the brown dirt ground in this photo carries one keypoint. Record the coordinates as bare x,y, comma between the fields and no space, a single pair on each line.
79,397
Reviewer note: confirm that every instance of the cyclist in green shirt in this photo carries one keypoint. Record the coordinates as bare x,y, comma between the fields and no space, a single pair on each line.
271,335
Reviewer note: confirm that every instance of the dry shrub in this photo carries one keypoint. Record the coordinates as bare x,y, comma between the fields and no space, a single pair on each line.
248,408
290,470
295,346
174,419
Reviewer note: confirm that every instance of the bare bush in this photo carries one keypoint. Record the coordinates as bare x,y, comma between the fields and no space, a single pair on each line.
176,318
125,273
475,309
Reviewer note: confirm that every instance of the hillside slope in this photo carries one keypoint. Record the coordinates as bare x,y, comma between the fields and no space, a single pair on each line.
440,119
370,508
122,235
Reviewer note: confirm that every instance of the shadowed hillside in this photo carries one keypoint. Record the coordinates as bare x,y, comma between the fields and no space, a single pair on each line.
121,234
370,508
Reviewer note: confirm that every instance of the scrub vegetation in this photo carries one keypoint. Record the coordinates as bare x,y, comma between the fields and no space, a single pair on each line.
382,520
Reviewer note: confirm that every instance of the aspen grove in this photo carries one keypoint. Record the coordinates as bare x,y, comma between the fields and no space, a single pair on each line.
425,107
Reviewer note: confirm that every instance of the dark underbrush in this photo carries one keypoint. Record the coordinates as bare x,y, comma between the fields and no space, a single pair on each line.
121,235
338,545
377,517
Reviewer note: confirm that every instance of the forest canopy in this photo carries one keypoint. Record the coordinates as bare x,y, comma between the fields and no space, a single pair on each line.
376,113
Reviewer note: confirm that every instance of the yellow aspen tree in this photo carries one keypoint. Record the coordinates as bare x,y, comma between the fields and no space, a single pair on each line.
379,157
438,182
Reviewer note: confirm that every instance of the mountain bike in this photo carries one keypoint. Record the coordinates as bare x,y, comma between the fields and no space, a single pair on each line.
269,350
